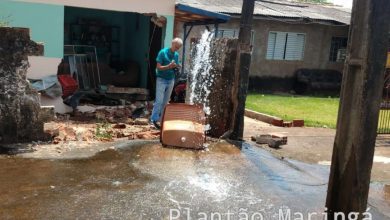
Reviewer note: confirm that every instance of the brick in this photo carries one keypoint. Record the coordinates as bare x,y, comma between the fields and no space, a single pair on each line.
298,123
277,122
287,124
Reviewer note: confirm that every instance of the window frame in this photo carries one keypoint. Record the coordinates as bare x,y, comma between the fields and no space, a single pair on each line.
285,58
330,49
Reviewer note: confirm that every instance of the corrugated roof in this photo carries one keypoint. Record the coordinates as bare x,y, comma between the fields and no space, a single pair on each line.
277,9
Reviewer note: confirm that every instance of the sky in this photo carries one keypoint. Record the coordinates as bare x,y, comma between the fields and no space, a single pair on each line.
345,3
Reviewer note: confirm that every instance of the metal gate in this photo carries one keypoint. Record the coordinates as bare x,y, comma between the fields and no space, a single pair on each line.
384,114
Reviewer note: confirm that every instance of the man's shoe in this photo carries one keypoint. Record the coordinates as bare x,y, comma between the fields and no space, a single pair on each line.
155,125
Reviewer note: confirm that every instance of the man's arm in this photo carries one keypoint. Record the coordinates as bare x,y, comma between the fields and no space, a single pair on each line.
167,67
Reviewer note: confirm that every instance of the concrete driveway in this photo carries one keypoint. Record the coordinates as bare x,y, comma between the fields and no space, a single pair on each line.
143,180
315,146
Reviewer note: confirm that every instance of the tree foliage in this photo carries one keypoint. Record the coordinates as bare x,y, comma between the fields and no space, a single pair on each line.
5,20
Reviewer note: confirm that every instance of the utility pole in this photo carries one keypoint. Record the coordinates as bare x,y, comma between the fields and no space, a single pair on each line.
242,70
357,122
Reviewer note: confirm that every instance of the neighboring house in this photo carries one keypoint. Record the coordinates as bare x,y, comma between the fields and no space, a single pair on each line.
123,31
286,36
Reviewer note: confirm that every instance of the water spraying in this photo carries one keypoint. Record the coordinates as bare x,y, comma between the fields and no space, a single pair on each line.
200,77
211,80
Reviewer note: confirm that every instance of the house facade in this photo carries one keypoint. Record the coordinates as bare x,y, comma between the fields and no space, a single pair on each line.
286,37
56,23
123,36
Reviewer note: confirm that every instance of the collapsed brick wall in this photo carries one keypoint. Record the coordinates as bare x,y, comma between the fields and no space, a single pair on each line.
19,103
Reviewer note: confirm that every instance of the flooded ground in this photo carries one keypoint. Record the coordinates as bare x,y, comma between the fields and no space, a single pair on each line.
147,181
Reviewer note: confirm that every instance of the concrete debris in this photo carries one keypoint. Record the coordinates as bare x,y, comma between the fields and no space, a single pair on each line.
67,134
115,114
119,126
281,135
77,128
148,135
270,140
129,121
47,113
141,121
52,129
86,108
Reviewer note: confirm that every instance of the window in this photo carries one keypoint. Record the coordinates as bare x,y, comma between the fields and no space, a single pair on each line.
338,49
285,46
233,33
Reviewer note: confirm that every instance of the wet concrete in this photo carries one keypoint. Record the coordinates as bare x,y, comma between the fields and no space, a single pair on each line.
145,181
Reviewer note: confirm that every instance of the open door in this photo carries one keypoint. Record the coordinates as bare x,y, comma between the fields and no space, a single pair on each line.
155,42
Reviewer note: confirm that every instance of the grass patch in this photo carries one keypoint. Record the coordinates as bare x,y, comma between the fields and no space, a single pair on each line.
102,131
316,111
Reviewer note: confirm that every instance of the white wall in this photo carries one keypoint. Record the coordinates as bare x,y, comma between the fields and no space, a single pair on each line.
162,7
41,67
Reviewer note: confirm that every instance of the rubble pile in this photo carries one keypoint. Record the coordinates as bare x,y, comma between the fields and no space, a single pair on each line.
103,123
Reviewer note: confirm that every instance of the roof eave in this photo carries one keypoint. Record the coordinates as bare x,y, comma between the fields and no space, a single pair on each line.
298,20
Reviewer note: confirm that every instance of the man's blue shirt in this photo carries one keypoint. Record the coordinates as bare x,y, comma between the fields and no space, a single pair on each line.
165,57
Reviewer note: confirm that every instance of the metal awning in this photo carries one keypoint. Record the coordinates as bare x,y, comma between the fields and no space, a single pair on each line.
188,14
191,16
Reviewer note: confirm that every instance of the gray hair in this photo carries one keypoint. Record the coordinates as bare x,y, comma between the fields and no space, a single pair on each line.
178,41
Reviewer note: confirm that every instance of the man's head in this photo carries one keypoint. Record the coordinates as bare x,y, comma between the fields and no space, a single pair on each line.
176,44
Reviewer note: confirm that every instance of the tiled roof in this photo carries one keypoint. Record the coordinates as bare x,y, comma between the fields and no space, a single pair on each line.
310,12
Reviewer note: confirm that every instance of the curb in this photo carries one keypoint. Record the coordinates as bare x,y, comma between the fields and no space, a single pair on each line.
273,120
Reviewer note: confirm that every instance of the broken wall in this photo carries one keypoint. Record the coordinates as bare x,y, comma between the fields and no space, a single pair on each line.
223,54
20,112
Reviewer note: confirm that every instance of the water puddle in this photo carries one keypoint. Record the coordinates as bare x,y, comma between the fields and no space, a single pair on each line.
147,181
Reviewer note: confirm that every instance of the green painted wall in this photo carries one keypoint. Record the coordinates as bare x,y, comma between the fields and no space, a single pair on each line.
134,33
139,44
46,23
168,35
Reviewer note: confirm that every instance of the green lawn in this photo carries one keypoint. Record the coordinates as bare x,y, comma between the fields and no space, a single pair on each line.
316,111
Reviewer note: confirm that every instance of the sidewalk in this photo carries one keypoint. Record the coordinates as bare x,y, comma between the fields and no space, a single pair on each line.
315,146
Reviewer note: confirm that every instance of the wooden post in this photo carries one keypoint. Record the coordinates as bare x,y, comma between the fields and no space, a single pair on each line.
360,99
242,70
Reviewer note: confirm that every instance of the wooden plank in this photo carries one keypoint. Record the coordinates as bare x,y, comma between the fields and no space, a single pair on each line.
127,90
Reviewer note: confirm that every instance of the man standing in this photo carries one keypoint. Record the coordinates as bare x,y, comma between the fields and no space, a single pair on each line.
167,60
